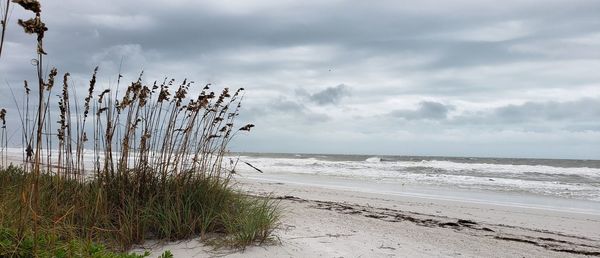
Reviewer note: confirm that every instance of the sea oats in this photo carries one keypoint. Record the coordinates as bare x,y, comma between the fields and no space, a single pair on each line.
31,5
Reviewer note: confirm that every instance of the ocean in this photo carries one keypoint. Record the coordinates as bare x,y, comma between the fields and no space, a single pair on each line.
554,183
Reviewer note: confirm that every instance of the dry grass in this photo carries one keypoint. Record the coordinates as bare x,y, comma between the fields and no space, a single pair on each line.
156,170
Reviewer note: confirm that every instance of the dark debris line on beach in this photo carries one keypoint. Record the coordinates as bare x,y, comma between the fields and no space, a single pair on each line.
460,225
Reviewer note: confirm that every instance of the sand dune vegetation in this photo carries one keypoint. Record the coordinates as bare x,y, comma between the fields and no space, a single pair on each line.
108,170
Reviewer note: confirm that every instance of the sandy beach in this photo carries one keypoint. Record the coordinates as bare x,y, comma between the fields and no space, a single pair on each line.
326,222
299,128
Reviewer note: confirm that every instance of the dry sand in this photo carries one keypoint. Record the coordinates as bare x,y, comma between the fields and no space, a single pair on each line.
321,222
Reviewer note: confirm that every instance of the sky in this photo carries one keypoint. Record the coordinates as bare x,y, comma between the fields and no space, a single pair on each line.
438,78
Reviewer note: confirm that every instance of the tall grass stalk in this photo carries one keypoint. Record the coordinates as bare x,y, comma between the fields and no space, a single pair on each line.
3,137
3,23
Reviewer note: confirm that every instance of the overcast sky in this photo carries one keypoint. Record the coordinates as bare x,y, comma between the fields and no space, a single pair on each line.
455,78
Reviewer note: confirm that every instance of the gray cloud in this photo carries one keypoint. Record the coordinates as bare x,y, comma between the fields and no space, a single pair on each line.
540,53
283,112
427,110
577,115
581,110
329,95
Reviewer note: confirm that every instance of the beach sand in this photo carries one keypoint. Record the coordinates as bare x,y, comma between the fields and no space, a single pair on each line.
325,222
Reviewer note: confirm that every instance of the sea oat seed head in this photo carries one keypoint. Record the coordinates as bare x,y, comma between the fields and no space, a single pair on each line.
3,117
31,5
247,127
50,83
27,89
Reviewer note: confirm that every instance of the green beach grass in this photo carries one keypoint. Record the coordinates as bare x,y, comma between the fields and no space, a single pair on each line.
73,216
158,168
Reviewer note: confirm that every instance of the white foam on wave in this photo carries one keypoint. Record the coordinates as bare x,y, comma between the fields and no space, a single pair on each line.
374,163
507,168
373,159
470,175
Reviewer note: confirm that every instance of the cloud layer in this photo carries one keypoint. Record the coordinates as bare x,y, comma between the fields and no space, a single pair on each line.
422,77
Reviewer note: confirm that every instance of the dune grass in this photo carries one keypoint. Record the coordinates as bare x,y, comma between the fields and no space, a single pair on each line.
119,166
13,244
86,212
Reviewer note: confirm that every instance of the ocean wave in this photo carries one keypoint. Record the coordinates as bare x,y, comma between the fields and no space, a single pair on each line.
436,166
573,182
373,159
506,168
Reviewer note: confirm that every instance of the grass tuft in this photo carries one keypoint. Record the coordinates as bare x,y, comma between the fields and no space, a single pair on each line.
251,221
88,212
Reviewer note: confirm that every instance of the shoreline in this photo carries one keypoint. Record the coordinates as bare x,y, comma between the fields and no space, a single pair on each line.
334,223
443,193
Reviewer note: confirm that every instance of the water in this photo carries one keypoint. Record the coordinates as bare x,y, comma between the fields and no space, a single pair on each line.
571,185
576,180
